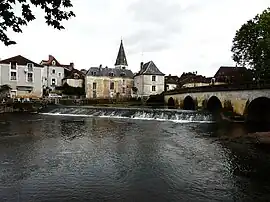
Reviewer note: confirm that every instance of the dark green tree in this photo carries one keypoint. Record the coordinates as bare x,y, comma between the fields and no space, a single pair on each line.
251,45
55,13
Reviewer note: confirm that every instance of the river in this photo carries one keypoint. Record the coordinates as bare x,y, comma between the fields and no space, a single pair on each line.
80,158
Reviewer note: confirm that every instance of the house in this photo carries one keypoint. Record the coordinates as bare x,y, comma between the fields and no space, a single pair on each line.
22,75
74,79
191,80
171,82
149,80
234,75
103,82
54,72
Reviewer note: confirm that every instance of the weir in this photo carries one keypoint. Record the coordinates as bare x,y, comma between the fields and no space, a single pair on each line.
180,116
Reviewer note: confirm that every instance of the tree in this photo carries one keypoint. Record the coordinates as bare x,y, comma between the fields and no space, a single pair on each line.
55,13
251,45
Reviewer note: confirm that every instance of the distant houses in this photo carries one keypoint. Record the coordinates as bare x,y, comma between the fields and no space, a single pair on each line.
26,78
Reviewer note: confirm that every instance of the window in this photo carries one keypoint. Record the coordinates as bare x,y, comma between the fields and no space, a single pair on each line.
153,88
111,74
30,77
112,86
53,82
94,86
59,74
124,82
124,90
53,62
30,67
13,76
122,74
53,71
93,73
153,78
13,65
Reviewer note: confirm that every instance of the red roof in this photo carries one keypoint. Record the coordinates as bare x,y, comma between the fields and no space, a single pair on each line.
20,60
50,63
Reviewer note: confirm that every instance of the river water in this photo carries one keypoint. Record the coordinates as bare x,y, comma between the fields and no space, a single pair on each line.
79,158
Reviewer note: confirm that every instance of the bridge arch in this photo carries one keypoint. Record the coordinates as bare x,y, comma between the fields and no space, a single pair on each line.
189,103
258,110
214,104
171,102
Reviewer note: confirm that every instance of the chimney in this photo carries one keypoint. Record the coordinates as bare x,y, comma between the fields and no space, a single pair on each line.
141,65
71,65
51,57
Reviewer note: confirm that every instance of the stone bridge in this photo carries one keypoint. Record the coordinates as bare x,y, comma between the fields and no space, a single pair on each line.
252,102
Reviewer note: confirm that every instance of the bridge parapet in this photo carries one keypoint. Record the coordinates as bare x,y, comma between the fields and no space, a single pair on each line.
219,88
236,98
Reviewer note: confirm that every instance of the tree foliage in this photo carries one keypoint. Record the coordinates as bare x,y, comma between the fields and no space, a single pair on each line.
251,45
55,13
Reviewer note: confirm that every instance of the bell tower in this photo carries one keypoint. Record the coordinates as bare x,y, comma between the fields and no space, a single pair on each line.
121,60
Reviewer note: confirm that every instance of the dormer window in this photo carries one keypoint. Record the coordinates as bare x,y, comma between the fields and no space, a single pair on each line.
13,65
111,74
53,63
30,67
76,76
122,74
93,73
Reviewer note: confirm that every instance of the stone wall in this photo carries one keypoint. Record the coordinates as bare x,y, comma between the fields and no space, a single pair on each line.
122,87
238,99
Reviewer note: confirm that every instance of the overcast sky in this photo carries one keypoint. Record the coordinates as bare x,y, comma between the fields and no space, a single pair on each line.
178,35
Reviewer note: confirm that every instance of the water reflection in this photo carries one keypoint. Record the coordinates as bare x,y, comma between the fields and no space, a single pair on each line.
101,159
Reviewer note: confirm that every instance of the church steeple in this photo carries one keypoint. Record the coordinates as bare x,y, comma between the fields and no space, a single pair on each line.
121,60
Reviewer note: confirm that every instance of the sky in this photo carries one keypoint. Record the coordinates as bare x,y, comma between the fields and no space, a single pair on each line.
178,35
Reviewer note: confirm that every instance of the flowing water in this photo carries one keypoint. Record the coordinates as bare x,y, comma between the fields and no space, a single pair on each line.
87,154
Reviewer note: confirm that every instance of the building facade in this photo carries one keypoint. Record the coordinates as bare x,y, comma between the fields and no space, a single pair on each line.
54,72
106,83
75,79
23,76
149,80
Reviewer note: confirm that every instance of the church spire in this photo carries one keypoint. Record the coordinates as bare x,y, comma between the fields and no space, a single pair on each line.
121,60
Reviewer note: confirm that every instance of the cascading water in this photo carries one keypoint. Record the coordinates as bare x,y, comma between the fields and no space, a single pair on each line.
180,116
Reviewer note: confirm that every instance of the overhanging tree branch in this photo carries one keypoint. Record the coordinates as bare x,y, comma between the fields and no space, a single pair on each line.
55,13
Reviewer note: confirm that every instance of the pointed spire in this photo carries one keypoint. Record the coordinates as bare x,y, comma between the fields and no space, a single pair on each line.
121,57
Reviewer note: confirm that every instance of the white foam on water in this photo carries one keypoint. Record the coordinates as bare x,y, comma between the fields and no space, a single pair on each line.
144,116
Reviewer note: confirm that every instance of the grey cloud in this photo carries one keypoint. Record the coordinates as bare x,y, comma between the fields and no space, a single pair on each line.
158,22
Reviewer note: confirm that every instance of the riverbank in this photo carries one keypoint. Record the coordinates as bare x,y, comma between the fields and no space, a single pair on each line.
21,107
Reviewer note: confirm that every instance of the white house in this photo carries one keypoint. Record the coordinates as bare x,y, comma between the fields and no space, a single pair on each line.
54,72
22,75
149,80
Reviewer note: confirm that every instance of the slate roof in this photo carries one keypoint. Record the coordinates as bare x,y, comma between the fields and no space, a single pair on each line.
52,58
193,78
20,60
171,79
229,71
150,68
73,72
121,57
100,71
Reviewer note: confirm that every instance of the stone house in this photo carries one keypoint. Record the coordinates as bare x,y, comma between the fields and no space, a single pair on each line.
149,80
54,72
171,82
233,75
104,83
74,79
22,75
